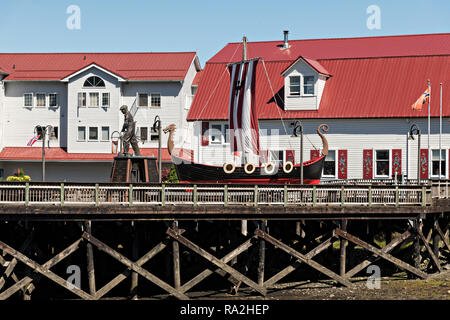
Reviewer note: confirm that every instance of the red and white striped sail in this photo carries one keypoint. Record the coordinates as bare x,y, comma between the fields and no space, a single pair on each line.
243,120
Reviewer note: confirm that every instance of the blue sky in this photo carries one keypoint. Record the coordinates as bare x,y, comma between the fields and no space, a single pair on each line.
204,26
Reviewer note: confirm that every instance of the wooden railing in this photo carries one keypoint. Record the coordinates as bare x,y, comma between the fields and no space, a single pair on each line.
89,194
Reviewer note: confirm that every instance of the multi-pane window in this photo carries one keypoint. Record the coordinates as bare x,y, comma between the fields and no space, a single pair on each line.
105,99
93,82
105,133
142,100
308,85
144,134
54,133
226,133
40,99
93,133
216,133
52,100
81,99
382,163
435,163
294,85
81,133
155,100
93,99
329,168
28,99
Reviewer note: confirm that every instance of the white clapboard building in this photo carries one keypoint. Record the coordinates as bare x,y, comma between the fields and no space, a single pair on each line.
79,96
363,88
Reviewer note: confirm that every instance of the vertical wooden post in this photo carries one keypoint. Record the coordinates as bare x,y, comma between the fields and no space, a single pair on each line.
342,196
90,259
436,237
176,258
27,193
285,195
396,196
163,195
225,195
195,195
255,195
130,195
262,254
417,244
424,196
370,196
343,247
61,196
314,196
135,256
96,195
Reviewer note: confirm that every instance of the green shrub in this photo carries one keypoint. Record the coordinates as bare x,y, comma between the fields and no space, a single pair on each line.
172,178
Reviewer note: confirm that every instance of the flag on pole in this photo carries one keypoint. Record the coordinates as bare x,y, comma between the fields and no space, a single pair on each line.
424,98
33,140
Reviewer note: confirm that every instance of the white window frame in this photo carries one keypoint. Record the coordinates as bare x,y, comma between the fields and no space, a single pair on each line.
335,166
45,100
85,99
137,99
109,100
101,133
88,135
444,159
32,99
56,99
299,84
388,176
150,100
78,131
303,86
92,76
213,130
99,102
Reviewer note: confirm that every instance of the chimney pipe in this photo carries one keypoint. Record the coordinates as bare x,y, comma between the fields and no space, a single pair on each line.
286,44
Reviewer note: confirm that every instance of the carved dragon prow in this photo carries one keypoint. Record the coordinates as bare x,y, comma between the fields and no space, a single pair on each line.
323,127
170,129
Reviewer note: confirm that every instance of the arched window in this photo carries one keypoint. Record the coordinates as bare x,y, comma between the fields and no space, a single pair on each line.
93,82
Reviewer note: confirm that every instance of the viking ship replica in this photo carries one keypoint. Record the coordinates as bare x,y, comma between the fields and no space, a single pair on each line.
244,142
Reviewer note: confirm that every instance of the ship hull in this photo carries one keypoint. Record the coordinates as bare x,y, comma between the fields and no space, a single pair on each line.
189,172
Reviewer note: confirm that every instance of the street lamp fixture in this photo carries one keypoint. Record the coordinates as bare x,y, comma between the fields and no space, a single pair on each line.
298,130
157,128
416,130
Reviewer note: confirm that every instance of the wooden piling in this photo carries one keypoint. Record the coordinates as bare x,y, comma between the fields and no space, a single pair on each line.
262,254
90,259
343,247
134,255
176,258
416,255
436,236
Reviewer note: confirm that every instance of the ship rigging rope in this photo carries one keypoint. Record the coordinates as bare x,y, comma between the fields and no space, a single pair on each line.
278,108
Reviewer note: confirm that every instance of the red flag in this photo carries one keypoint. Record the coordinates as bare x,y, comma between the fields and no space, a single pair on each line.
424,98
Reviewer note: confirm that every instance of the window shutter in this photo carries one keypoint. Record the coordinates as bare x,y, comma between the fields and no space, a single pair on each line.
423,163
367,164
205,129
315,154
342,164
290,156
396,162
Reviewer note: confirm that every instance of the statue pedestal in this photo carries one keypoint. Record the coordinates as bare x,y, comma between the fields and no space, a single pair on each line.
134,169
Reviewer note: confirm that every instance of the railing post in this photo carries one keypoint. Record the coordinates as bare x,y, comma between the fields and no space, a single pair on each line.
62,194
370,196
163,195
424,196
96,195
195,194
255,195
342,196
225,195
27,193
396,196
130,195
314,196
285,195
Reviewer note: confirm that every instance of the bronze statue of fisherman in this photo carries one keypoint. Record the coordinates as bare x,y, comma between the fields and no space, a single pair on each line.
129,132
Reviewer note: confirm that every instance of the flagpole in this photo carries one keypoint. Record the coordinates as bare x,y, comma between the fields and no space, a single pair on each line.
440,131
429,103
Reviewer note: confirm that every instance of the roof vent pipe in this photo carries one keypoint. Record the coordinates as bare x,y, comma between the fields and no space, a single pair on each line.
286,44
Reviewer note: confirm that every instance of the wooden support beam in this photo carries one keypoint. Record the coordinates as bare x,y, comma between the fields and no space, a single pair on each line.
343,250
303,258
380,253
118,279
239,276
262,254
90,260
388,248
176,258
436,237
133,266
134,255
430,251
443,237
207,272
311,254
14,288
45,268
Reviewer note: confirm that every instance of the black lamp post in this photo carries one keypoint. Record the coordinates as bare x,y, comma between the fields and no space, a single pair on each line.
416,130
157,128
298,128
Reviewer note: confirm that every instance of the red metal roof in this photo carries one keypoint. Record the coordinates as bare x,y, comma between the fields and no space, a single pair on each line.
132,66
383,84
59,154
198,77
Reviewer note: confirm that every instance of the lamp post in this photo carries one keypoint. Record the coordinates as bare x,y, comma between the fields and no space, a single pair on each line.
42,131
298,128
415,129
157,128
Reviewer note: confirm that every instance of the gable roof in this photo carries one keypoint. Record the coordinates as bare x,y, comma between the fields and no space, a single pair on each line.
376,77
312,63
93,65
131,66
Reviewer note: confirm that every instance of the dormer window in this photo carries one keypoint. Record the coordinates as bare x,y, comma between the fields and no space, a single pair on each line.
308,85
294,87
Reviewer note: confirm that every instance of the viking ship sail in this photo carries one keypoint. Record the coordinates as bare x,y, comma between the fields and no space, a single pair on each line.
252,166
